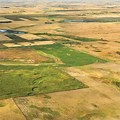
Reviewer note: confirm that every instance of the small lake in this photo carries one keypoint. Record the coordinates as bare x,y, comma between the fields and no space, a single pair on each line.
12,31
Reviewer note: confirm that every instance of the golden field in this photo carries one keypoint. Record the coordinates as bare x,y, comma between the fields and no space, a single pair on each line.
84,28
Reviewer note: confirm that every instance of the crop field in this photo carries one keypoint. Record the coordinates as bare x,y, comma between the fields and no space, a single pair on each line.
18,17
59,60
69,57
25,81
4,38
30,56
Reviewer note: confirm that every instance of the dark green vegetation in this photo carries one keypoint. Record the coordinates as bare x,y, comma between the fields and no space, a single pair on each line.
117,83
89,116
4,22
31,80
68,56
2,104
82,39
118,52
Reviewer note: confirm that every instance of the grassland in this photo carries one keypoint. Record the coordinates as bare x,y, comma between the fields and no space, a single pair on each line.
64,65
68,56
108,73
24,81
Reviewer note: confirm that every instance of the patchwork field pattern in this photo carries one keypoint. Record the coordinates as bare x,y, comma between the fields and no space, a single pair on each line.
30,80
59,60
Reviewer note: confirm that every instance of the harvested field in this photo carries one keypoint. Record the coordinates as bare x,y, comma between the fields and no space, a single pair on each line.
29,36
75,104
4,38
22,55
93,30
43,42
59,60
11,45
36,43
20,44
25,43
4,20
103,48
108,73
9,110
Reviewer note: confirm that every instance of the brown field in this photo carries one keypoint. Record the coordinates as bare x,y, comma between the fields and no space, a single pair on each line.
2,19
29,36
4,38
9,110
105,31
11,45
17,54
107,47
25,43
98,102
107,50
101,100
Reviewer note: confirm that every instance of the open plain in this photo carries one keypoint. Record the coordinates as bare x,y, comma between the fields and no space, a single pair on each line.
59,60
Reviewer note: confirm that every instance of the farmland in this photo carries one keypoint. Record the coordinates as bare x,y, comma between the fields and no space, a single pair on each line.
67,55
59,60
34,80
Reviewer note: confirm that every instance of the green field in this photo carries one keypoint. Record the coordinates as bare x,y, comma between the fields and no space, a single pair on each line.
31,80
68,56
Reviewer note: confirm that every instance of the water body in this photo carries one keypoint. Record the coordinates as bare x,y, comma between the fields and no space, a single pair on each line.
12,31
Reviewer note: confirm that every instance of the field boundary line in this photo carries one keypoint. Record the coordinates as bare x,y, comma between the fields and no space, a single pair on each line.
19,109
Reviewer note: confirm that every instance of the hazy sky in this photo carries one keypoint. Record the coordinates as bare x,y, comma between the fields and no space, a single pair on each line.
85,1
61,0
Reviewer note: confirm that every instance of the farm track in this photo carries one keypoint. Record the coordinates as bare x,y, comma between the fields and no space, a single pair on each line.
10,64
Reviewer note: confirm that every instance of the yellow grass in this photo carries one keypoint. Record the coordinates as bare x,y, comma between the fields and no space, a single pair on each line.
11,45
10,111
4,38
29,36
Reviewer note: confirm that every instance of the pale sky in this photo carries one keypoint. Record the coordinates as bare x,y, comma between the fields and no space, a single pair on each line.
85,1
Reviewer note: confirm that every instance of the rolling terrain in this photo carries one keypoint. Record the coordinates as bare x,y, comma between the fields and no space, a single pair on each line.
59,61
